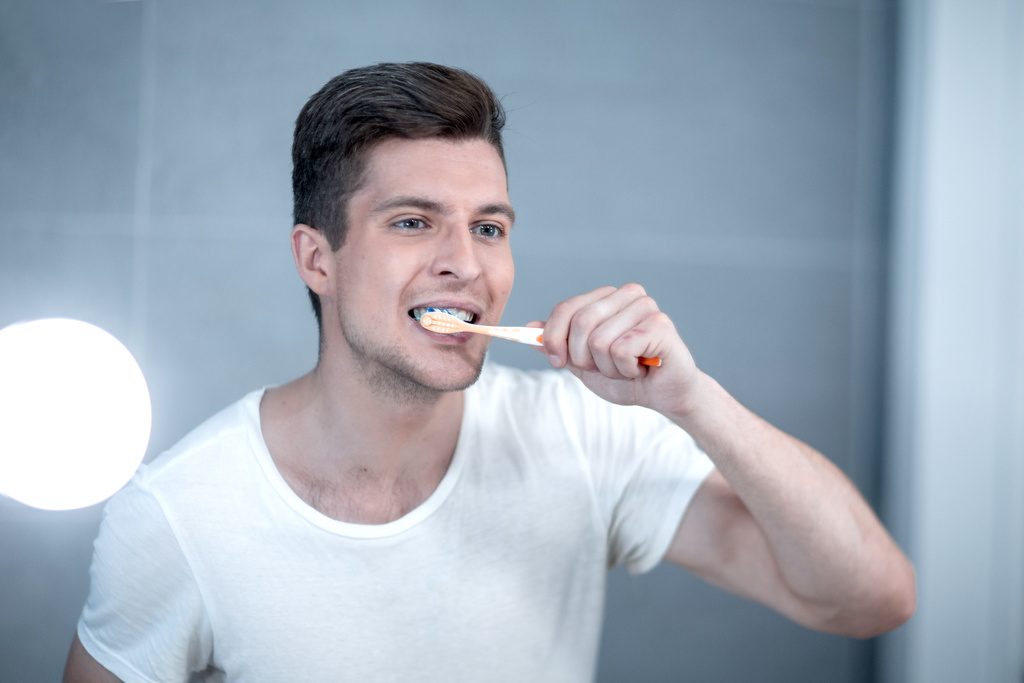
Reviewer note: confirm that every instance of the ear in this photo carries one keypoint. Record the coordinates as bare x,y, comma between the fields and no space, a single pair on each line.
312,254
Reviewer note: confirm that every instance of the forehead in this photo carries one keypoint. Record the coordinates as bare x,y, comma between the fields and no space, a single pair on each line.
455,172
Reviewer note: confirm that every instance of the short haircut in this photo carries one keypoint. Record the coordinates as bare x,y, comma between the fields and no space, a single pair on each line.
354,111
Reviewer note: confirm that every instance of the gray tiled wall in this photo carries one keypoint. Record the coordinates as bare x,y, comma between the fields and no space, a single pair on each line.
729,154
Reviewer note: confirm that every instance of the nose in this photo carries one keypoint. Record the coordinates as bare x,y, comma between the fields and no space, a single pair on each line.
456,256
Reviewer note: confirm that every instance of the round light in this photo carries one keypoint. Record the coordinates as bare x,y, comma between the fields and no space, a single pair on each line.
75,414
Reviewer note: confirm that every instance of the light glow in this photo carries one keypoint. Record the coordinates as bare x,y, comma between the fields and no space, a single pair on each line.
75,414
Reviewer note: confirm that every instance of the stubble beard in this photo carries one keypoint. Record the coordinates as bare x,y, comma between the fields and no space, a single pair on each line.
392,373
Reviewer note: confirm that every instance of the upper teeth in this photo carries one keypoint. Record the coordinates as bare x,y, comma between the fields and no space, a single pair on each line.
462,315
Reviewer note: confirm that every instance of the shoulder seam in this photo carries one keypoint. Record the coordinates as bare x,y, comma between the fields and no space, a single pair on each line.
158,499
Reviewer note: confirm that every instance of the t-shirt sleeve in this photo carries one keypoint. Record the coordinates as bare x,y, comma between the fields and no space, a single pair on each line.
144,618
644,470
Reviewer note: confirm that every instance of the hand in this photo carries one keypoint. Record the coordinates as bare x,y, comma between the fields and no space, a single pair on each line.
599,335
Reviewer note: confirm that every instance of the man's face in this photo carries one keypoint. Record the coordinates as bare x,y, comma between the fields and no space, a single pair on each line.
428,227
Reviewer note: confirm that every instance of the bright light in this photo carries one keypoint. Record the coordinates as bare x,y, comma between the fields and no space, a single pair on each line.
74,414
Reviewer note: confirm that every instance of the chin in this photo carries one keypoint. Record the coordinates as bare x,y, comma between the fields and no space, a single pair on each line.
455,375
401,378
415,374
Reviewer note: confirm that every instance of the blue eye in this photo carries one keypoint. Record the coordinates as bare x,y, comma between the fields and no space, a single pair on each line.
489,230
410,224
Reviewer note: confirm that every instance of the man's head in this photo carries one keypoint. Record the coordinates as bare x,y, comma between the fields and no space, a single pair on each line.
401,203
362,107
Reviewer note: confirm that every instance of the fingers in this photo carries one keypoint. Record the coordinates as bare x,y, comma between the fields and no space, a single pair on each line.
644,339
617,342
603,330
586,321
556,329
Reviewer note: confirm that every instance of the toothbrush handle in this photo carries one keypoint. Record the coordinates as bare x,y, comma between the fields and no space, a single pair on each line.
523,335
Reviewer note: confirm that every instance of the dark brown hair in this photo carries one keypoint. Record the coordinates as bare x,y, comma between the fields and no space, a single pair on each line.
362,107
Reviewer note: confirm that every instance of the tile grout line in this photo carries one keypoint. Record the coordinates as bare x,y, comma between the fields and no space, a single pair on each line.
802,254
856,362
143,182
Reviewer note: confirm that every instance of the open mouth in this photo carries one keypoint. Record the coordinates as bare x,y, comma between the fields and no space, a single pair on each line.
463,315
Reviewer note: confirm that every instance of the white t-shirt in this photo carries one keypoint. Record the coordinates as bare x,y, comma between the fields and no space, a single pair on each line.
209,562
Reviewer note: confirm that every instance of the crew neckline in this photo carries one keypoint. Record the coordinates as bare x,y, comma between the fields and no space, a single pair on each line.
352,529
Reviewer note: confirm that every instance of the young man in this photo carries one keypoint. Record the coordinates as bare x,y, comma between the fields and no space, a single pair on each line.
388,516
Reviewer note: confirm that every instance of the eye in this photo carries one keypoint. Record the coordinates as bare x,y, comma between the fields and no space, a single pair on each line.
489,230
410,224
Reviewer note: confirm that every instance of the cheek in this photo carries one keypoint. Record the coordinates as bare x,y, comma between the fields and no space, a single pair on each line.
504,276
370,274
363,291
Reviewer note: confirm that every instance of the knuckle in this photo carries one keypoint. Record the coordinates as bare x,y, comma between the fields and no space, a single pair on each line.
661,318
619,348
552,340
587,317
625,363
620,357
583,361
634,288
580,355
601,340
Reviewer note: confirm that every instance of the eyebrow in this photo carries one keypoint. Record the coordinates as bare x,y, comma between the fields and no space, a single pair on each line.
427,204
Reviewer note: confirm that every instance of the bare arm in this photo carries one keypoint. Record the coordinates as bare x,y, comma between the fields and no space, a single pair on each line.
82,668
778,523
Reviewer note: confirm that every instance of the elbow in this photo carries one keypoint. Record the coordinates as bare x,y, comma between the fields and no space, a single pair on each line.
891,606
884,604
907,598
890,616
902,602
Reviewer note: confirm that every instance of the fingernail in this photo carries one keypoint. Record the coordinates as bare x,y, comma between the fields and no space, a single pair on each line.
555,360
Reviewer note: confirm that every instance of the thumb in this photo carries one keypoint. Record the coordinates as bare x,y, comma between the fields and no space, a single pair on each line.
538,324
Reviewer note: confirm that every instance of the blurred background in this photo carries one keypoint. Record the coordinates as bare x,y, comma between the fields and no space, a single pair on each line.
825,195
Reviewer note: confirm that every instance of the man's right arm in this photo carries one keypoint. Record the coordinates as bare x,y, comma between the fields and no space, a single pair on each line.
82,668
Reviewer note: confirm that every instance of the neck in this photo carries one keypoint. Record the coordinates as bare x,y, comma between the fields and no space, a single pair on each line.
381,426
351,428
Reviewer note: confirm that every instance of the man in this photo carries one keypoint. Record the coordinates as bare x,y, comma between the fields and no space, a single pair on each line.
389,517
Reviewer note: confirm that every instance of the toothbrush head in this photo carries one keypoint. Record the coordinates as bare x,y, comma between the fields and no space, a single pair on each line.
441,321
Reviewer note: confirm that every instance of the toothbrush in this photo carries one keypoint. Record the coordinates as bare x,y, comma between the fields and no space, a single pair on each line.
441,321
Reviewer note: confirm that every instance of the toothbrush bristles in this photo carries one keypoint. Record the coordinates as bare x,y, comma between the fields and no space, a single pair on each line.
441,321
